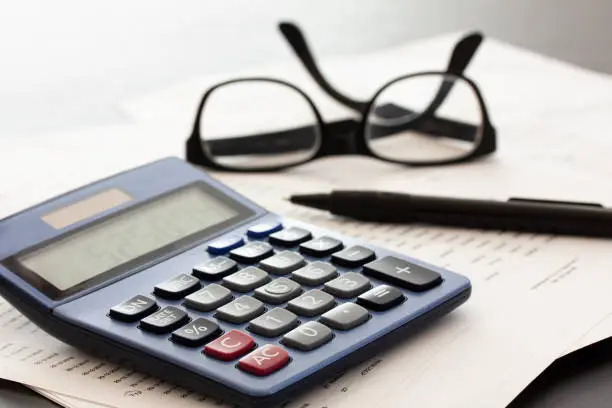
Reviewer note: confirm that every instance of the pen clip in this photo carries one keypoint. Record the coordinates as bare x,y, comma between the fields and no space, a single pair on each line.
553,202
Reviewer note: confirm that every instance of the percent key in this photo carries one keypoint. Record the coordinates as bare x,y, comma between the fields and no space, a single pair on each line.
196,333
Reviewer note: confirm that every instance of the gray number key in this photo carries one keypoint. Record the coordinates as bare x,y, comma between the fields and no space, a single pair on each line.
311,303
283,263
246,279
308,336
345,317
278,291
348,285
315,273
274,322
240,310
208,298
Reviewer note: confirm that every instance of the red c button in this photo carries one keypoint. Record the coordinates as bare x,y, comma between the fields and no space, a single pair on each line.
231,345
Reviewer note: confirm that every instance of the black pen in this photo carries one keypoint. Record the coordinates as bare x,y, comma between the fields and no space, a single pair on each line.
516,214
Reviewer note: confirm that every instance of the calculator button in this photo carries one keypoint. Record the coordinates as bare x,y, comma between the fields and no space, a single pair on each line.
246,280
308,336
311,303
225,244
315,273
263,230
215,268
230,346
381,298
264,361
353,257
348,285
133,309
403,273
240,310
345,317
164,320
321,247
273,323
290,237
208,298
252,253
196,333
278,291
177,287
283,263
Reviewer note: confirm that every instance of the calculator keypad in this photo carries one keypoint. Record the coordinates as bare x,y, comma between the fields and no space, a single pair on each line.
278,291
208,298
308,336
230,346
252,253
240,291
315,273
196,332
246,279
164,320
215,268
283,263
290,237
348,285
345,317
265,360
274,322
311,303
381,298
240,310
133,309
321,247
177,287
403,273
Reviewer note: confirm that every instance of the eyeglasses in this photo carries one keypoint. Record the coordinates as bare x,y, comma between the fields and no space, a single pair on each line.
266,124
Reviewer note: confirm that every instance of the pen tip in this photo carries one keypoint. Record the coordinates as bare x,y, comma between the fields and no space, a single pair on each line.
320,201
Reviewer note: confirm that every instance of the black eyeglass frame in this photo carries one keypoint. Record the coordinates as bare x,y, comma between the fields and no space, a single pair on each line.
349,136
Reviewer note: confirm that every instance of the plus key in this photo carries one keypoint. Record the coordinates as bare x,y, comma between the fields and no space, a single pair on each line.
403,273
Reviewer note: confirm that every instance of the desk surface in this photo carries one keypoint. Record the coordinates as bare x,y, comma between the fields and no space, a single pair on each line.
581,379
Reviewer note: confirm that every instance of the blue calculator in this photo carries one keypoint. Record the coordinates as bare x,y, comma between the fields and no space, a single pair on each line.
166,268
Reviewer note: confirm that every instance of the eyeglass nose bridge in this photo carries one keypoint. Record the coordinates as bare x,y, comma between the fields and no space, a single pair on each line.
340,138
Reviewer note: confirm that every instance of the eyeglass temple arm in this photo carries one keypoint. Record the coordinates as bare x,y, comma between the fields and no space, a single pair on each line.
462,54
296,39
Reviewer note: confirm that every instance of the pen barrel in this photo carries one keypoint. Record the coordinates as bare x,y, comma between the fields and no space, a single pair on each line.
541,217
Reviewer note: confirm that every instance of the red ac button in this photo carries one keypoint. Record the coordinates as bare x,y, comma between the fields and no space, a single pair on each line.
265,360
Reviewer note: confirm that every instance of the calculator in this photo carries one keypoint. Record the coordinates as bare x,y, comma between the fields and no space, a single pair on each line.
165,268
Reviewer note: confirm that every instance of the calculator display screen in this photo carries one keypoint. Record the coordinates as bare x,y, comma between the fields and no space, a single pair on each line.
129,236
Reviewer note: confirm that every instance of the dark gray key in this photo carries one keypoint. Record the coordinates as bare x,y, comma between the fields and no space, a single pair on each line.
165,320
403,273
208,298
196,333
308,336
240,310
345,317
133,309
278,291
353,257
311,303
290,237
215,268
283,263
321,247
348,285
273,323
381,298
315,273
177,287
246,279
252,252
